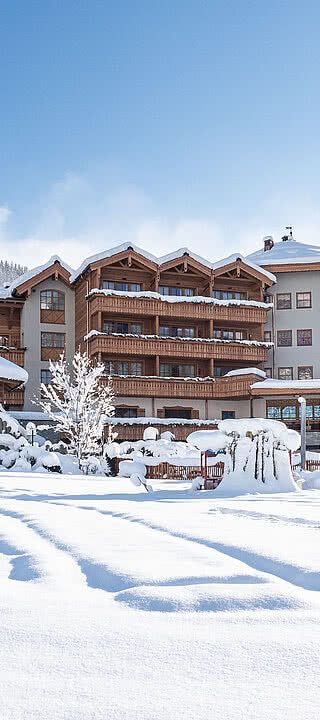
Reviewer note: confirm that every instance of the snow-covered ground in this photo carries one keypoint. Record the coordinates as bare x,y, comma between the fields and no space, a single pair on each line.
119,604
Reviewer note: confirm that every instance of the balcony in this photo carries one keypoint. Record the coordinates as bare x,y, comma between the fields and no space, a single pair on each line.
14,355
12,398
206,389
188,349
207,310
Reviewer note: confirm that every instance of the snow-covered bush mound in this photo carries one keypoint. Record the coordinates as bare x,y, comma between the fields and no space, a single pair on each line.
129,467
208,440
310,481
257,458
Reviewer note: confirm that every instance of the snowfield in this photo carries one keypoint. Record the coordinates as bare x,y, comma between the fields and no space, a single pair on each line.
119,604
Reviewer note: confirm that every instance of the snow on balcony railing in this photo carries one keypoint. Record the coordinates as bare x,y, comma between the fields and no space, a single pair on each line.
219,341
150,295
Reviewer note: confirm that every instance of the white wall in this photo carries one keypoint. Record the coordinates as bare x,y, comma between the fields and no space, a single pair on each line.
297,319
31,330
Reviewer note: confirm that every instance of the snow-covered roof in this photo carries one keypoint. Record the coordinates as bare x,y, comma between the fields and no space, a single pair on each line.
8,292
236,256
164,259
10,371
246,371
286,252
299,385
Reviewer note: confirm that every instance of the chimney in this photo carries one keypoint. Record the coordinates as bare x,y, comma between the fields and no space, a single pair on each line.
268,243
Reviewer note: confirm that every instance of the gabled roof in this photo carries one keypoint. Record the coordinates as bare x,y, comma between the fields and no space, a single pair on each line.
162,260
37,274
289,252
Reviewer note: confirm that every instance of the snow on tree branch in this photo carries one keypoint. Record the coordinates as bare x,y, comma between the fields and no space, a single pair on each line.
79,403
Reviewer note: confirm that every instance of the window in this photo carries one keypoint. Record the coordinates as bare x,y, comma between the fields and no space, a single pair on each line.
167,370
46,377
110,367
121,286
227,414
283,301
52,307
178,291
304,337
284,338
229,334
108,326
289,412
108,285
125,412
273,412
220,371
52,345
136,368
189,332
268,372
267,336
122,328
229,295
164,330
4,341
123,368
52,340
304,300
51,300
285,373
177,413
305,373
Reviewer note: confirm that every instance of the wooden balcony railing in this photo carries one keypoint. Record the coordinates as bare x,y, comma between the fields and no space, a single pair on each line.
12,398
207,389
14,355
149,307
176,348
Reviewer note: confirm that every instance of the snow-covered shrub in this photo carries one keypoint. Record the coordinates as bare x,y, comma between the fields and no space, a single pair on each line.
21,465
150,433
138,480
47,445
60,447
197,483
7,441
50,461
129,467
9,458
167,435
31,453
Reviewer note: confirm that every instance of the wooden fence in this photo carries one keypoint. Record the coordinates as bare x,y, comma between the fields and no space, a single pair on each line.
182,472
311,465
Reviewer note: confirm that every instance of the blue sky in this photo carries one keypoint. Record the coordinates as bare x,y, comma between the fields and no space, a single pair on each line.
164,122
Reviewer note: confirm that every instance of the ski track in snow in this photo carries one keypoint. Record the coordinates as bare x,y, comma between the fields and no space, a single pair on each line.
233,577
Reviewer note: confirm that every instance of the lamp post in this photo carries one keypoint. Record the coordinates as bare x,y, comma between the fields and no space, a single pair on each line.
303,420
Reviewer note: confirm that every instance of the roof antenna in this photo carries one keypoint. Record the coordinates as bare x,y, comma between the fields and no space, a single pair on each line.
285,238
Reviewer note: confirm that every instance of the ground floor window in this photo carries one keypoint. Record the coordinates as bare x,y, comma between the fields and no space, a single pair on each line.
228,414
184,413
125,412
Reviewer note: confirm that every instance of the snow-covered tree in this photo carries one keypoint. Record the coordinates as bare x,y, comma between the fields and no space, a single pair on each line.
78,403
10,271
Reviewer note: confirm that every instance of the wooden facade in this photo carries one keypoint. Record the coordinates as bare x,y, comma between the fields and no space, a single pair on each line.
149,322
